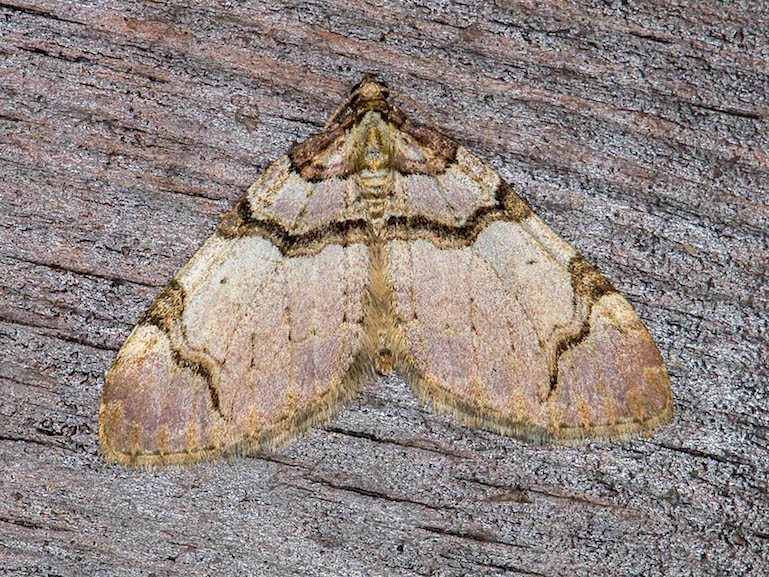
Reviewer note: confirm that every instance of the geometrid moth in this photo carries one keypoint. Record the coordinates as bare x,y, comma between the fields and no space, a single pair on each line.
378,245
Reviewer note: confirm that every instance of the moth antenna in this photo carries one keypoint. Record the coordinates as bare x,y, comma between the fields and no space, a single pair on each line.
395,93
416,107
341,107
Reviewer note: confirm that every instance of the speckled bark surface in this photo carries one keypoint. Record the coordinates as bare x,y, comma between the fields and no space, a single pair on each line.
638,134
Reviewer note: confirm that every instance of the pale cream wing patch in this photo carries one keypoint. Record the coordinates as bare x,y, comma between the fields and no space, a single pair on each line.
282,198
450,198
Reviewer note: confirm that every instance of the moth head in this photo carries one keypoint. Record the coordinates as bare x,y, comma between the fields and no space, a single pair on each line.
369,88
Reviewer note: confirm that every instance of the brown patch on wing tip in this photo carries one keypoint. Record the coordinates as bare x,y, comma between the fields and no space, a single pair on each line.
232,222
516,207
587,280
652,399
167,307
229,226
590,283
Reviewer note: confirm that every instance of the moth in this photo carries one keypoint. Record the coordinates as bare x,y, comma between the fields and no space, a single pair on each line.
378,245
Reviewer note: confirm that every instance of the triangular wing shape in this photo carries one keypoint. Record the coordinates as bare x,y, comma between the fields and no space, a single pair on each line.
378,244
506,325
254,340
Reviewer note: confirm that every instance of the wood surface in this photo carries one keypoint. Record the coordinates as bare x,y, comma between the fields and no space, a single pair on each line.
638,131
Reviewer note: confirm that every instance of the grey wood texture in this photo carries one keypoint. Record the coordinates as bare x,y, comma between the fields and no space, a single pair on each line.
638,131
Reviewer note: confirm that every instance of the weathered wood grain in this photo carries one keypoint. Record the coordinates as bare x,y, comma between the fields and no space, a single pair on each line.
638,132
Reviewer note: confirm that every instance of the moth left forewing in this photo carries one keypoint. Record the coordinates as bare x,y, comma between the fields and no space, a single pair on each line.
247,346
507,326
